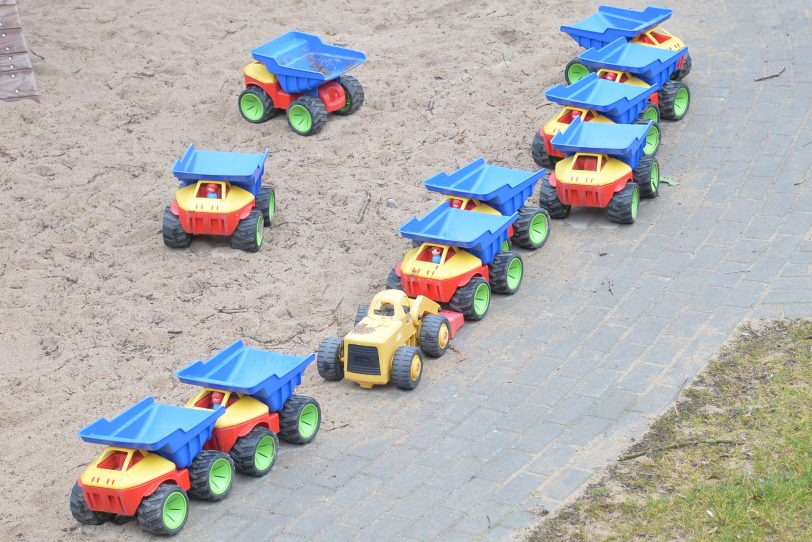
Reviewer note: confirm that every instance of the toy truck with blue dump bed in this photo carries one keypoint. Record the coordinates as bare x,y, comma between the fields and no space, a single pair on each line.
220,193
612,23
593,99
299,74
497,190
604,168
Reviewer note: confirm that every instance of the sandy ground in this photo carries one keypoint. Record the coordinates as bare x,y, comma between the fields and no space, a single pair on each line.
96,313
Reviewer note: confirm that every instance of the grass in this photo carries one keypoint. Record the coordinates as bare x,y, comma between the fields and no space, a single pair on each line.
751,482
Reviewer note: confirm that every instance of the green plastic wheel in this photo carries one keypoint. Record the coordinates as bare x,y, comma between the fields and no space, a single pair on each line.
211,475
300,117
651,112
482,299
647,177
652,140
307,115
220,476
506,272
473,299
265,453
255,453
255,105
299,419
174,510
165,511
575,71
251,107
532,229
623,205
681,102
675,100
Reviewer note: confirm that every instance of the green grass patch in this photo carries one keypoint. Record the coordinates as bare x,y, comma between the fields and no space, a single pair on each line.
732,461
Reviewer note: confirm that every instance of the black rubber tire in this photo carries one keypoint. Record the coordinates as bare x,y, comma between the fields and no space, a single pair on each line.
267,104
539,153
499,272
328,359
683,72
620,206
641,119
360,314
245,236
318,114
263,202
244,452
430,331
463,300
80,511
402,367
393,281
150,511
575,60
521,228
354,91
667,95
548,199
642,177
173,233
289,419
200,472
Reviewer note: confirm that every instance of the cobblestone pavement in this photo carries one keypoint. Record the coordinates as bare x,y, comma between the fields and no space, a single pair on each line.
609,325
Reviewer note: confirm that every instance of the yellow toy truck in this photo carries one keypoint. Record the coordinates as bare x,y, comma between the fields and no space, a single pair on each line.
388,342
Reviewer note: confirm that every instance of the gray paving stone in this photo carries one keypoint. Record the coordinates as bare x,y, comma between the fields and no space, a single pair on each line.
505,464
583,432
419,502
570,409
447,448
518,488
553,391
623,356
467,496
552,459
388,528
639,377
535,438
597,382
647,329
565,483
746,294
657,400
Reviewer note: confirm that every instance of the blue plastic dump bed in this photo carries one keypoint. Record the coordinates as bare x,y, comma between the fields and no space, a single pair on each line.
623,141
175,433
481,234
651,64
502,188
620,102
301,62
610,23
242,169
266,376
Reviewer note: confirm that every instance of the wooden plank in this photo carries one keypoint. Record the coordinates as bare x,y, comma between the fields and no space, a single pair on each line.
17,61
9,18
12,41
18,85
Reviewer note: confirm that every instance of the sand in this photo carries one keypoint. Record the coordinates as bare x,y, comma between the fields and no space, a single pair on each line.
96,313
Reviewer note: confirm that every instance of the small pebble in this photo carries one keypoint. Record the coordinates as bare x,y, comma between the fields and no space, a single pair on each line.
392,204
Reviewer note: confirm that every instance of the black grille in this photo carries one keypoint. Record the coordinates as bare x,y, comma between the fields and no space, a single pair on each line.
363,360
